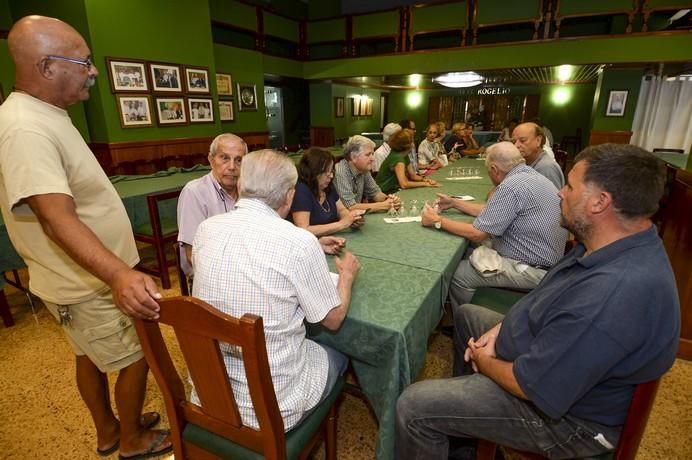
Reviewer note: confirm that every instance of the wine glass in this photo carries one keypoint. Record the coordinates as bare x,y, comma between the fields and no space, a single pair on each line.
414,208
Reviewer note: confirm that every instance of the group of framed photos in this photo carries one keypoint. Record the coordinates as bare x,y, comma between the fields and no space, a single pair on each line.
181,94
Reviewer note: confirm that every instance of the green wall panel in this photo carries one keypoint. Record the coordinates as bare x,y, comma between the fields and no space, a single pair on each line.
617,79
5,15
563,120
439,17
322,109
281,66
324,9
375,24
230,12
489,12
320,31
281,27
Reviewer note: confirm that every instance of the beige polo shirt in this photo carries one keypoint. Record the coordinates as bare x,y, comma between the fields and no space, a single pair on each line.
42,152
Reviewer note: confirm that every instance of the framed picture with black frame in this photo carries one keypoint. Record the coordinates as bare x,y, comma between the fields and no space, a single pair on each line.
247,97
339,107
165,78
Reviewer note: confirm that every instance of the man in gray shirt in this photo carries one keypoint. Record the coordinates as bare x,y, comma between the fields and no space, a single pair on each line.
529,138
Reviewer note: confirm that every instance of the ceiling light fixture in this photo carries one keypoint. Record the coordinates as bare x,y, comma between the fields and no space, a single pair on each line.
459,79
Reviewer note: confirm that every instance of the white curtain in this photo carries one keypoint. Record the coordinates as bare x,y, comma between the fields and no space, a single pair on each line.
663,118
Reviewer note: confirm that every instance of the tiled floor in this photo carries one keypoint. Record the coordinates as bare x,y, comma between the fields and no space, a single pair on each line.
43,417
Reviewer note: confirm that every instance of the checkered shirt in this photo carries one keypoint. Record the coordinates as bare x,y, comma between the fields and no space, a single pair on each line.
352,184
253,261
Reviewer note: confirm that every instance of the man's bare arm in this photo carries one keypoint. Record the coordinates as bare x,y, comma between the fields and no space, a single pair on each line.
133,292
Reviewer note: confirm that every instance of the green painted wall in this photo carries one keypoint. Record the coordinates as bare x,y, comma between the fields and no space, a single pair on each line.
322,109
234,13
246,67
171,31
5,15
616,79
563,120
324,9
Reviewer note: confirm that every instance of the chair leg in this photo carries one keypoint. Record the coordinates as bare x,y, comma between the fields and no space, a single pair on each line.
163,265
5,310
330,435
485,450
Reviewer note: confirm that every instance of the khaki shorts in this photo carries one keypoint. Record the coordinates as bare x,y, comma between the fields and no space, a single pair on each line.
99,330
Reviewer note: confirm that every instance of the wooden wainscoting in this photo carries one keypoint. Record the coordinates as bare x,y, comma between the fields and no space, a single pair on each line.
321,136
677,238
163,151
615,137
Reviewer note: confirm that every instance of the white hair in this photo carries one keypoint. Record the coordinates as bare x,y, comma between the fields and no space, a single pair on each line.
505,155
355,145
223,138
390,129
267,175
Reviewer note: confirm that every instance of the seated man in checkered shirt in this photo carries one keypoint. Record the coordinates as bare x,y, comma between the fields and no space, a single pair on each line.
254,261
521,218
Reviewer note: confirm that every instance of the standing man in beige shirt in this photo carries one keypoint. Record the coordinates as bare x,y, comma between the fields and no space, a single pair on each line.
68,223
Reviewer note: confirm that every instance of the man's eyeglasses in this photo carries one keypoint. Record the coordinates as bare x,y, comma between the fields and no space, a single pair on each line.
86,62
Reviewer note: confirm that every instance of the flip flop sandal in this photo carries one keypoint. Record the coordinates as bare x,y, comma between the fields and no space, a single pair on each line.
152,451
154,417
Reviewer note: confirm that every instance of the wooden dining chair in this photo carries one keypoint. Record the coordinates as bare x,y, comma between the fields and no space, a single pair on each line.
185,286
158,232
215,429
630,437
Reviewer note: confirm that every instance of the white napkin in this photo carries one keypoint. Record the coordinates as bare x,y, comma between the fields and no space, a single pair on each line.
401,220
463,197
464,178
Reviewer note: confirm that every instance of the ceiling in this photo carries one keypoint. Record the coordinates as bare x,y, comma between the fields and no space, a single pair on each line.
516,76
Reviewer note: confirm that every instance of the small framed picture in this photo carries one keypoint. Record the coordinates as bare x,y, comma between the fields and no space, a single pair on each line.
224,84
339,107
135,111
226,111
247,97
368,107
171,111
165,78
127,75
617,100
356,109
200,110
197,80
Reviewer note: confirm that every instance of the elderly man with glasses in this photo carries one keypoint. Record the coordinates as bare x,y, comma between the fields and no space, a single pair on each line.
69,225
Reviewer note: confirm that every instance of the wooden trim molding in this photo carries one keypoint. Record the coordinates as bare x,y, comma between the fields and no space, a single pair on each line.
111,154
616,137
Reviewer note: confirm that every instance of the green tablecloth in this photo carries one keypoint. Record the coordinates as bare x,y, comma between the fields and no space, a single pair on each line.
133,190
398,298
9,259
678,160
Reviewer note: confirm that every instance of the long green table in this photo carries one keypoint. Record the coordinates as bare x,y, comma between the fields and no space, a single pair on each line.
677,160
398,297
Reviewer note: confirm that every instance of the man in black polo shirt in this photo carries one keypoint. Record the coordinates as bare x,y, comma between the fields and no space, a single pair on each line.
556,375
521,218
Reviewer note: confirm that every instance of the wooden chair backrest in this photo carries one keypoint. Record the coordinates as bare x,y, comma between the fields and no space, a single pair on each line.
637,417
199,328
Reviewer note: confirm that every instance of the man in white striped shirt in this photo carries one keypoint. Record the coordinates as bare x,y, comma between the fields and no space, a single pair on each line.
521,218
254,261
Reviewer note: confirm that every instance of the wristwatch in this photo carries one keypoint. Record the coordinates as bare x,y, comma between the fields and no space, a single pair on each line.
438,224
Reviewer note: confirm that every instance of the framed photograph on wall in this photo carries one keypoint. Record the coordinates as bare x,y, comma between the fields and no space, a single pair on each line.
127,75
339,107
197,80
200,110
226,111
224,84
165,78
171,111
617,100
368,107
247,97
135,111
356,106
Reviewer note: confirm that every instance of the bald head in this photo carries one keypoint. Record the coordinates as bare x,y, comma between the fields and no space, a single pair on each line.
35,44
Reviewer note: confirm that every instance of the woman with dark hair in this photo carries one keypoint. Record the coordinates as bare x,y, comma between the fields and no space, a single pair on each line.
397,171
316,205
